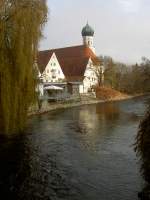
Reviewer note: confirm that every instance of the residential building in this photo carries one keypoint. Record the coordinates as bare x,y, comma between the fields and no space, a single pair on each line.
71,67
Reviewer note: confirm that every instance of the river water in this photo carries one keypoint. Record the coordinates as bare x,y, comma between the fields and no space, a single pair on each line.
80,153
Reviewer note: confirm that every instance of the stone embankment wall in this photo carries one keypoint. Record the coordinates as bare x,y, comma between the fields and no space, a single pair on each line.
83,100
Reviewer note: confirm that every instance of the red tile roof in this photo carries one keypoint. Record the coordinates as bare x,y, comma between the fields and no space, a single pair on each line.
73,60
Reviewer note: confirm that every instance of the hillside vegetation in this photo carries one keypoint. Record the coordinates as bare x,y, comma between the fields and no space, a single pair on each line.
107,93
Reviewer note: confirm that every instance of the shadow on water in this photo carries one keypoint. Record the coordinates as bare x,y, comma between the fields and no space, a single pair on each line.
14,165
25,174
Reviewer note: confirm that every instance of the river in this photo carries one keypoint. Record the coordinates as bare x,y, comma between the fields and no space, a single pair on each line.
80,153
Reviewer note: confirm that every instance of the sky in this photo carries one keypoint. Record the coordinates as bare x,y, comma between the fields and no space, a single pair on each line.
122,27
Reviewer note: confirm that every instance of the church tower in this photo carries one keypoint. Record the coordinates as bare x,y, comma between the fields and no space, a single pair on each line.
88,35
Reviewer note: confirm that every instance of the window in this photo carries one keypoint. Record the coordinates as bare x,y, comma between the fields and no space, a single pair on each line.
47,70
54,64
53,70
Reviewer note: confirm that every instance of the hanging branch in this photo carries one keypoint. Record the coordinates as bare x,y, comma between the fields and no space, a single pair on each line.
21,23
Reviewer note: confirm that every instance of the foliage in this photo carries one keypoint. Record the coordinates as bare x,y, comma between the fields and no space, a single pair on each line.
21,22
98,70
107,93
136,79
110,74
143,146
133,79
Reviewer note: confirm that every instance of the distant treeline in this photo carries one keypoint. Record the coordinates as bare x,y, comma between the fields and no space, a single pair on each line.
131,79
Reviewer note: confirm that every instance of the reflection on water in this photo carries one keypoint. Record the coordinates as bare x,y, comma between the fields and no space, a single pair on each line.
14,165
75,154
109,111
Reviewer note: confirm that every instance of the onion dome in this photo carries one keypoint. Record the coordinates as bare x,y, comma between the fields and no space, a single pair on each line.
87,30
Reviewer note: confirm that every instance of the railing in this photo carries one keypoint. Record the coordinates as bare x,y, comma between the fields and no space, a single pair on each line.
55,97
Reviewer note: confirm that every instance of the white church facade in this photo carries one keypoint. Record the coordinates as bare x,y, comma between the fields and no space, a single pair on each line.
71,68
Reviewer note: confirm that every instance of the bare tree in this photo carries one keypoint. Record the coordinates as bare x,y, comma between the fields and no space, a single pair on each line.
99,72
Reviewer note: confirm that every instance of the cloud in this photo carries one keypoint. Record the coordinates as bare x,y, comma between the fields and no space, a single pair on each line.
131,6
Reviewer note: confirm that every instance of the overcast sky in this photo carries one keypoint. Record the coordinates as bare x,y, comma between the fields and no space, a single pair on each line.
122,27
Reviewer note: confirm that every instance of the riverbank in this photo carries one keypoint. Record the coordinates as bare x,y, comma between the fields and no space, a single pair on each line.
84,100
101,95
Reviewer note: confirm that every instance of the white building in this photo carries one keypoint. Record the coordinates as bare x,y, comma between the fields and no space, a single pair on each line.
71,65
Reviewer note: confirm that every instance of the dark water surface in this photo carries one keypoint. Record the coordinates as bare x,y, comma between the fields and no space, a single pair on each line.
81,153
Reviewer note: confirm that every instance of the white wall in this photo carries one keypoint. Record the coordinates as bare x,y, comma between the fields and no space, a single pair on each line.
53,71
89,41
90,78
81,89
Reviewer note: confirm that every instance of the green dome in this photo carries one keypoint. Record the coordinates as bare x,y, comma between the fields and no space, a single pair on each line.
87,31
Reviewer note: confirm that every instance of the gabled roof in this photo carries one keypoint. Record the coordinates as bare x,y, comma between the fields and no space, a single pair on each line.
73,60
